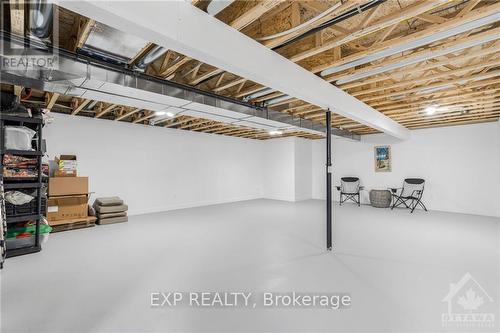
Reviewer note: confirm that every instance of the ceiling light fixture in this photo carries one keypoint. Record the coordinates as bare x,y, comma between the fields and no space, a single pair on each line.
430,110
160,113
169,114
275,132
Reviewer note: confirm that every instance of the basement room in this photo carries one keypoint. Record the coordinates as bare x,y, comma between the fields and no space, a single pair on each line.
250,166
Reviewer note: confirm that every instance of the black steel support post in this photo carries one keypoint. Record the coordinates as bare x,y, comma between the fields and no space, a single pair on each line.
328,180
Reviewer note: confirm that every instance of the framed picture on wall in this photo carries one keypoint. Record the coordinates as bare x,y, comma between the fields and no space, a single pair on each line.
383,159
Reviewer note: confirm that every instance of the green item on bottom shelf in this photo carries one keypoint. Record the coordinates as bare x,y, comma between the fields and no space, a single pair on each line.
14,232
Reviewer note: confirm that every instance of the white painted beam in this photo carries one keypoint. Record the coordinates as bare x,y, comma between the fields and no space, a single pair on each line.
179,26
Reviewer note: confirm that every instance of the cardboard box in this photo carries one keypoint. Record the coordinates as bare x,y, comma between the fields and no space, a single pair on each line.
90,220
62,173
66,162
66,166
59,186
67,207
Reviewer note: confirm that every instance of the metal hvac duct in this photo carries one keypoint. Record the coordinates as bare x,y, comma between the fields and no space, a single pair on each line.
91,79
41,19
258,94
216,6
111,45
156,52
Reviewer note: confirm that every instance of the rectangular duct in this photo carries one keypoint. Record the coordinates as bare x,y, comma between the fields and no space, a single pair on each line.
87,78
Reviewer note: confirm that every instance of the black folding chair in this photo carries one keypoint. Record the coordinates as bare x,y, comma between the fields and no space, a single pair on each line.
349,189
410,195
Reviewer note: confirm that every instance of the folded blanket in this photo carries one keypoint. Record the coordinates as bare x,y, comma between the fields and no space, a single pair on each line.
108,215
110,209
111,220
108,201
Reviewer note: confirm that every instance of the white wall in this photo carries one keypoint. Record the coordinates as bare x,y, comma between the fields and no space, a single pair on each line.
303,169
461,166
156,169
287,169
279,169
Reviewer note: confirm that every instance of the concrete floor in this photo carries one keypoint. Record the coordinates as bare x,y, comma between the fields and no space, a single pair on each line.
396,266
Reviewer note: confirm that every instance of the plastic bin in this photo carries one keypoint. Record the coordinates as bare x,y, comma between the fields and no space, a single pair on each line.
18,137
16,232
29,208
19,237
17,243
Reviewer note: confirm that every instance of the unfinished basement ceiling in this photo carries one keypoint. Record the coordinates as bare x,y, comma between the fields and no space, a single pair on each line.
105,40
457,85
182,119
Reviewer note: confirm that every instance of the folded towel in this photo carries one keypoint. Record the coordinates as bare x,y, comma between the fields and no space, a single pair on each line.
107,215
108,201
110,209
111,220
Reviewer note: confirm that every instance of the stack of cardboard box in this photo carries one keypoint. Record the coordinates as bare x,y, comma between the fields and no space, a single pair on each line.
65,166
68,197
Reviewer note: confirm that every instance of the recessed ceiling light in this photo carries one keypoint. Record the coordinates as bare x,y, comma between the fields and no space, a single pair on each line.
275,132
169,114
160,113
430,110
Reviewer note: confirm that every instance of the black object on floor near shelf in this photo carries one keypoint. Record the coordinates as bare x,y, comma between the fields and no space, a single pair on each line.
34,211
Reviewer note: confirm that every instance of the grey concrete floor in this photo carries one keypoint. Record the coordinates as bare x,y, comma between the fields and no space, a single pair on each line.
396,266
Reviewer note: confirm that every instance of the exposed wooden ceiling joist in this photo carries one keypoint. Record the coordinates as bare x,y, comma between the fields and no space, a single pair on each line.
405,88
79,105
449,24
176,26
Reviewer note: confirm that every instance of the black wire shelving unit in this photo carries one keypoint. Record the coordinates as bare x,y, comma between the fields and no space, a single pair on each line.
35,183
